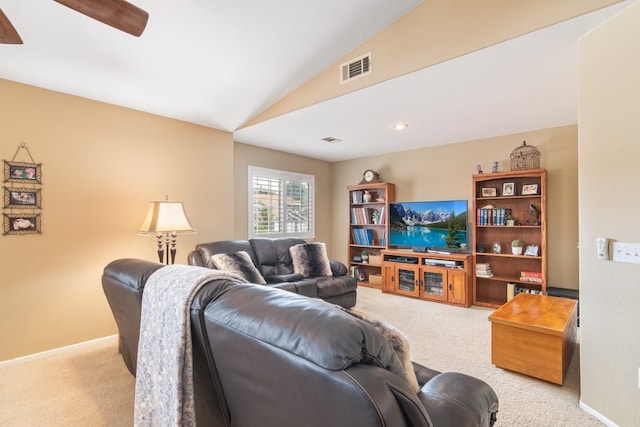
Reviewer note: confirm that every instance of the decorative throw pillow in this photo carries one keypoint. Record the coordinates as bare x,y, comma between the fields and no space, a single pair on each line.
399,343
238,263
310,259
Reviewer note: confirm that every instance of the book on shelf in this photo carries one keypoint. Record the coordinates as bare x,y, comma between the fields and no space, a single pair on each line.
531,279
363,236
483,270
491,216
488,274
511,291
531,276
366,215
357,272
383,238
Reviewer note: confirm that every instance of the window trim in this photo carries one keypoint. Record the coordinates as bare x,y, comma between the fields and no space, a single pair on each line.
254,171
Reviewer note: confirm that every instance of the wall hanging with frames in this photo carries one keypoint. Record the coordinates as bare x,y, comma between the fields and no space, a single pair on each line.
22,195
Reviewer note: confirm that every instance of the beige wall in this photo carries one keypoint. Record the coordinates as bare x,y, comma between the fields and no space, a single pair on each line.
247,155
610,207
101,166
444,173
434,31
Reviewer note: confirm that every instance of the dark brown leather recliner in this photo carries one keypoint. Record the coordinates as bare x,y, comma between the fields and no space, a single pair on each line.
263,356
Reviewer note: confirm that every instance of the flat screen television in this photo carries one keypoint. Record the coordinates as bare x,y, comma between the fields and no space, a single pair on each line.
429,224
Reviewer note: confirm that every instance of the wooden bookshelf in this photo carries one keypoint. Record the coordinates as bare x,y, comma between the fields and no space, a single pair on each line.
492,204
368,230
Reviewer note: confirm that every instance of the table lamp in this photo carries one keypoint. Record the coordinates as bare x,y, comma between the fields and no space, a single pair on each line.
166,219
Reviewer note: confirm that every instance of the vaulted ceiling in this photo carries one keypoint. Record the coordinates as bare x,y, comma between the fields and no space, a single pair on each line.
220,64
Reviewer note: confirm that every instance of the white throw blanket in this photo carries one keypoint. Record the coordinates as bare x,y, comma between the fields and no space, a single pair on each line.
164,373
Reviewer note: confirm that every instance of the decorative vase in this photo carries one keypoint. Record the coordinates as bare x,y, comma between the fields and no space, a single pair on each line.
365,259
516,250
497,247
366,197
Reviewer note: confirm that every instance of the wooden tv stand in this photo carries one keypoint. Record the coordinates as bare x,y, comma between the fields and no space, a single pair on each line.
437,277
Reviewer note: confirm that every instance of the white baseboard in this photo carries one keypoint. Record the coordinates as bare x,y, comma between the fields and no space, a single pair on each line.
596,414
59,350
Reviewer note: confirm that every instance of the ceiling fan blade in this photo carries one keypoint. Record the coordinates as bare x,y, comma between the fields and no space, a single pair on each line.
8,34
117,13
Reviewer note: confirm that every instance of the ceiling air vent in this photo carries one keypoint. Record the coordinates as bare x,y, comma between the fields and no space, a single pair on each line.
355,68
331,140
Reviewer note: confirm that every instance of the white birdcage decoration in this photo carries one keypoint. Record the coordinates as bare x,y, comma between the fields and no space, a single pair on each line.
525,157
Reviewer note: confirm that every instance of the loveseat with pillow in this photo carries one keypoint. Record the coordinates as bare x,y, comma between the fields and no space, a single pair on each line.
287,263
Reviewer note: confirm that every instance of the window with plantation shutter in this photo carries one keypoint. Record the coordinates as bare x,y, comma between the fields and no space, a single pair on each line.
280,203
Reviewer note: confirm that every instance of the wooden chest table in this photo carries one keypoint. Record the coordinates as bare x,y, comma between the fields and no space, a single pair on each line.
534,335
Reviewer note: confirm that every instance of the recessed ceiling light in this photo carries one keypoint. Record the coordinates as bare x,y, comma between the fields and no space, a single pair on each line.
401,126
331,140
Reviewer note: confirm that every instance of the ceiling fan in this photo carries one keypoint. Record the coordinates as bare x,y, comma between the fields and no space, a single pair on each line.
116,13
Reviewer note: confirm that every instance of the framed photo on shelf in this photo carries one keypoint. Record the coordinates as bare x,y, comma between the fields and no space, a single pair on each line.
489,192
532,250
529,189
508,189
21,197
22,172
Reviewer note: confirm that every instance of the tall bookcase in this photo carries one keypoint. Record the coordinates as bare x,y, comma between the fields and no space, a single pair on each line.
498,199
368,230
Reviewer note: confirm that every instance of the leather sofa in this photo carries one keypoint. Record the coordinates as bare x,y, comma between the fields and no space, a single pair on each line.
272,259
263,356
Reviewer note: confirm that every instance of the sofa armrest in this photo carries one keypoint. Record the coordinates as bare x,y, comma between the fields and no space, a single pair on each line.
195,258
338,268
423,374
129,272
459,400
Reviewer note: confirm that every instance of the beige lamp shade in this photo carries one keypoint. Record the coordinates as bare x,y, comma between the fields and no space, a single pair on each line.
166,217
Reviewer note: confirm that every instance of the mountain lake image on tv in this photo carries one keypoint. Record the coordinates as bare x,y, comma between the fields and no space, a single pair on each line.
431,224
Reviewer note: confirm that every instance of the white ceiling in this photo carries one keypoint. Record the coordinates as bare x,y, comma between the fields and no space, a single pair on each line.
219,64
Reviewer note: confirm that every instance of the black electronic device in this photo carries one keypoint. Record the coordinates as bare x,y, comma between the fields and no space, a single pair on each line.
404,260
419,249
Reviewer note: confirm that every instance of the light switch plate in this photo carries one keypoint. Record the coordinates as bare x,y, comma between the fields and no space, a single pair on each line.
626,252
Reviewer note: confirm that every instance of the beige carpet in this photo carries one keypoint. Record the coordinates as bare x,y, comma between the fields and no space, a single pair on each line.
85,385
89,385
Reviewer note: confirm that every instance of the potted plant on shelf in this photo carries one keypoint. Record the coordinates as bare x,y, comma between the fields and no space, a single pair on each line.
365,256
509,219
516,247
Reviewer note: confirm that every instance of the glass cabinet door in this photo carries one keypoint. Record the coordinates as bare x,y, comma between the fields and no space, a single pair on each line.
434,280
407,281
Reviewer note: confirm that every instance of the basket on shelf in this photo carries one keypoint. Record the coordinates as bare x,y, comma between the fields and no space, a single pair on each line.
375,260
375,279
525,157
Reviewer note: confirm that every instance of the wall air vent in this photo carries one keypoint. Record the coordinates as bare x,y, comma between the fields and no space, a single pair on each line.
355,68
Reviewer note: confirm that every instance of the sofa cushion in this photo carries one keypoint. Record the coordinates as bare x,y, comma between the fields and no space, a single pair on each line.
272,255
239,263
310,328
310,259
